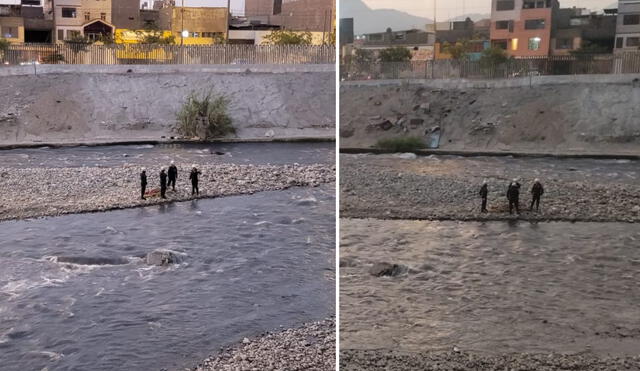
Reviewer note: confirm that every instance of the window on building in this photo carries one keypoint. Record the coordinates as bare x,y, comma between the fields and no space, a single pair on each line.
502,25
103,16
30,2
505,5
619,43
633,42
400,36
631,19
9,32
564,44
71,34
514,44
534,43
534,24
60,35
534,4
87,16
502,44
277,7
375,37
68,12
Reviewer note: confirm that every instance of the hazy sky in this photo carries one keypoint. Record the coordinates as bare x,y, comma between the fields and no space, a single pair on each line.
452,8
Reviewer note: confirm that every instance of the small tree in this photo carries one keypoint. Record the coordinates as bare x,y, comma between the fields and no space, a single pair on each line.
205,116
284,37
151,34
457,51
493,57
4,46
395,54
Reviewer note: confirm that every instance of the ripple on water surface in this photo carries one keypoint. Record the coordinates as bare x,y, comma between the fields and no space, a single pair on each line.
78,291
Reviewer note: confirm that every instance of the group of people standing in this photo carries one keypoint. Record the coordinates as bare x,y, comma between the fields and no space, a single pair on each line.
513,195
169,178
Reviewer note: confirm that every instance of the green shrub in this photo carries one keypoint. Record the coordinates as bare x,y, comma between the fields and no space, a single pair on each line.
205,116
407,144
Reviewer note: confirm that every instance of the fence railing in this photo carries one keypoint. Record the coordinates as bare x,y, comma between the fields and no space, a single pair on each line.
467,69
167,54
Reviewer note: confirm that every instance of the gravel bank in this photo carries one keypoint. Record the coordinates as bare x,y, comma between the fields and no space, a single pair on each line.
310,347
436,188
38,192
357,360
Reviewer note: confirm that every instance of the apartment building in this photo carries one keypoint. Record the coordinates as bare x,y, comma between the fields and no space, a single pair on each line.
523,27
295,15
574,28
628,26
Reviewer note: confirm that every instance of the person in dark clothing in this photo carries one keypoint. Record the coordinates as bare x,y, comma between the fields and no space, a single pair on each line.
173,176
484,192
163,183
194,180
513,195
143,183
536,191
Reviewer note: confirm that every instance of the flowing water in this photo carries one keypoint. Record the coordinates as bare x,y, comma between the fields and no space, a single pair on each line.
491,287
237,153
76,294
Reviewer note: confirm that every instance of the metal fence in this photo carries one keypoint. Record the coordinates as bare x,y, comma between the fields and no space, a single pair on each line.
167,54
466,69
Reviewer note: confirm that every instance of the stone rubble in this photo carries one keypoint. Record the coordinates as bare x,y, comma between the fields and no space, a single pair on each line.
310,347
371,360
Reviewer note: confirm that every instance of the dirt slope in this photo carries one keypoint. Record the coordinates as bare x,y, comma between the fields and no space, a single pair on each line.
552,118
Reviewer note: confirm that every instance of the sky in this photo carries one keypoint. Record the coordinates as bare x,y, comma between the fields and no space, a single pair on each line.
452,8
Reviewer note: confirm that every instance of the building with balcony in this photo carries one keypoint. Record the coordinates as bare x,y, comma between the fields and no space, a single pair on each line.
523,27
628,26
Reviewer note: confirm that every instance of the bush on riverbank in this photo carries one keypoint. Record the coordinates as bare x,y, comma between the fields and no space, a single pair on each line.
407,144
205,116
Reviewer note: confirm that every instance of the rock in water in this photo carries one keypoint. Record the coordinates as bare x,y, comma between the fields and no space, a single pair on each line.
162,257
386,269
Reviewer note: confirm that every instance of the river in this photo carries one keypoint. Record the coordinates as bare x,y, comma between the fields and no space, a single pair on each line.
249,264
491,287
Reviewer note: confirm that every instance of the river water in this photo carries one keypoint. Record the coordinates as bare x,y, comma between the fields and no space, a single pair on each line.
495,287
237,153
249,264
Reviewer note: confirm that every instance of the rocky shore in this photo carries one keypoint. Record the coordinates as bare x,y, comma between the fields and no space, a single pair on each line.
369,360
38,192
436,188
310,347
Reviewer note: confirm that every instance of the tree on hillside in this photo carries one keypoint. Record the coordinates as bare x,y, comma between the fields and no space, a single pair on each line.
395,54
457,51
284,37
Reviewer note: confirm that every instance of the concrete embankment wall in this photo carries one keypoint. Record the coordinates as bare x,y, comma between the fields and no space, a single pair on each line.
560,114
92,103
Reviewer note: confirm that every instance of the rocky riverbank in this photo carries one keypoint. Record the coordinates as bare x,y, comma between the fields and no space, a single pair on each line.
37,192
356,360
310,347
446,188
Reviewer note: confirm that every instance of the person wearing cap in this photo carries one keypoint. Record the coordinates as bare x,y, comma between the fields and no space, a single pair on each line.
194,180
163,183
484,192
173,175
143,183
536,191
513,195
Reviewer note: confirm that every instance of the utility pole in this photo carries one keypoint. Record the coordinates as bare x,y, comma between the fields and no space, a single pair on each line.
228,20
182,26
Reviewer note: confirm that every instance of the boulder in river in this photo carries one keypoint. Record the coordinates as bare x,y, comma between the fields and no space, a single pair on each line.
387,269
162,257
